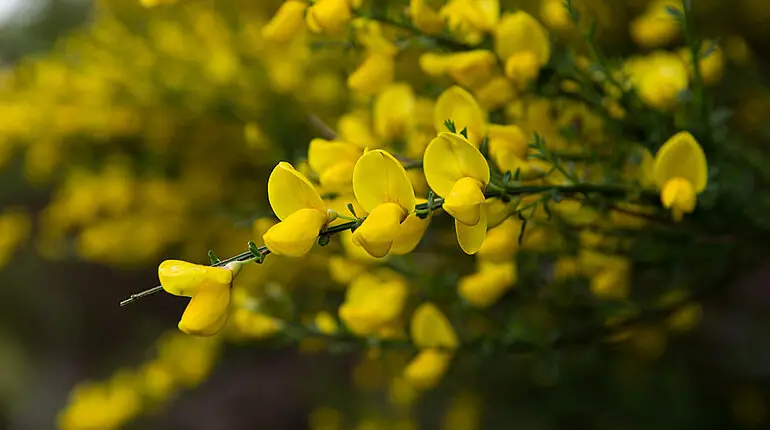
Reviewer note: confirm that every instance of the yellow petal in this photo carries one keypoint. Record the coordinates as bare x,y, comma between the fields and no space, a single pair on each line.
425,18
450,157
679,195
681,157
374,74
379,178
355,128
520,32
330,15
289,191
465,200
207,311
394,111
409,235
472,237
484,288
501,242
497,211
508,147
459,106
431,329
427,368
378,231
322,154
287,22
295,235
181,278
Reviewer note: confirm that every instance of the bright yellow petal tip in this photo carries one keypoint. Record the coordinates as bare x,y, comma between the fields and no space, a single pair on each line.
465,200
471,237
206,313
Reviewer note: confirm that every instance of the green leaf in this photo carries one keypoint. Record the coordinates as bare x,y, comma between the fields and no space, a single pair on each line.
450,125
464,132
213,258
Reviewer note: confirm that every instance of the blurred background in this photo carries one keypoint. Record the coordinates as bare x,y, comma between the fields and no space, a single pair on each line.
124,131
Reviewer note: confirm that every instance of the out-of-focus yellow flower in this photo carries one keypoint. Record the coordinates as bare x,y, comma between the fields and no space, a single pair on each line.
394,111
656,26
681,172
14,228
612,282
255,325
485,287
209,287
382,188
501,242
457,171
522,44
427,368
371,303
508,148
286,23
495,93
431,329
355,127
425,18
555,15
459,106
470,69
374,74
328,16
711,62
299,207
333,161
469,20
325,323
659,79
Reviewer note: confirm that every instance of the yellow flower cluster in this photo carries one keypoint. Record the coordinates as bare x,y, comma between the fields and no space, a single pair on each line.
421,160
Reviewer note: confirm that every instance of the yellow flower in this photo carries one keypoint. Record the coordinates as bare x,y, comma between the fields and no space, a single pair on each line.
485,287
495,93
501,242
328,16
286,23
410,233
209,288
333,161
394,111
374,74
426,369
508,148
659,79
656,26
325,323
522,44
425,18
299,207
555,15
681,172
372,302
457,171
459,106
431,329
354,127
470,19
610,283
470,69
255,325
711,62
382,188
